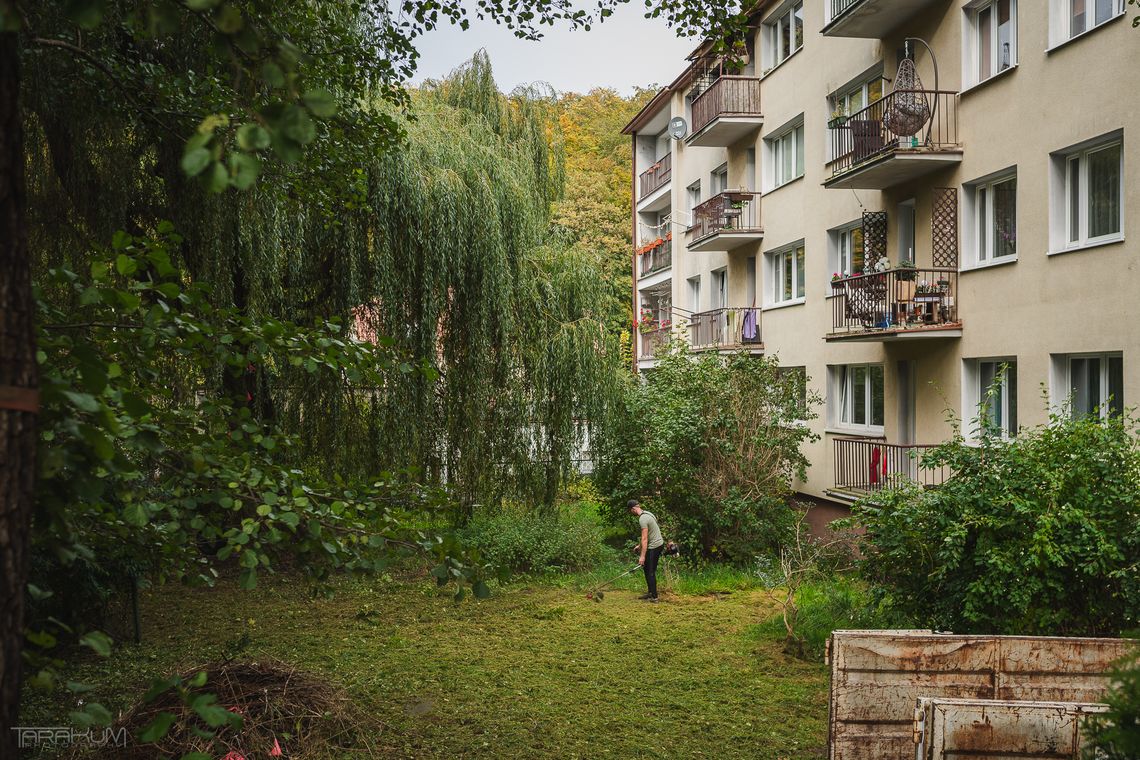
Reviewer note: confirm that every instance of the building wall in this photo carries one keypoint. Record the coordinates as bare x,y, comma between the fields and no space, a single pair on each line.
1029,309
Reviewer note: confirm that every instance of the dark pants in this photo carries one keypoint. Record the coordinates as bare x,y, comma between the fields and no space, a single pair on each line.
651,557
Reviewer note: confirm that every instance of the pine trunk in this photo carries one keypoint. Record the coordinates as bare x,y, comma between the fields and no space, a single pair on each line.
18,380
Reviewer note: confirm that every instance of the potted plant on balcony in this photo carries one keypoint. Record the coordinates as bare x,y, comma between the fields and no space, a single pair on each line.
838,118
837,284
905,271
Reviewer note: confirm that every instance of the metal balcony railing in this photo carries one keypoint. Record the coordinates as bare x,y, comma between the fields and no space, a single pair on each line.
652,339
839,7
912,120
903,298
864,464
729,95
657,175
725,328
732,210
655,259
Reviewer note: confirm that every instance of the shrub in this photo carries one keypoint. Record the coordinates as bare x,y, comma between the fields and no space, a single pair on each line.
1038,535
711,446
1116,734
566,539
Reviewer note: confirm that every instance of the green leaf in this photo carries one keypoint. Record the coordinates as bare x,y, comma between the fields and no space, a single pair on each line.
217,178
194,161
247,579
87,14
264,509
157,728
230,20
249,558
135,514
98,641
289,518
297,125
480,590
321,102
93,714
272,74
83,401
125,265
252,137
244,169
201,5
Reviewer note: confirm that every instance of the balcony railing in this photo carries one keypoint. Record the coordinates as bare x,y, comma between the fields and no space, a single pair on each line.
895,300
655,259
729,95
656,175
652,339
726,328
733,210
839,7
904,120
870,465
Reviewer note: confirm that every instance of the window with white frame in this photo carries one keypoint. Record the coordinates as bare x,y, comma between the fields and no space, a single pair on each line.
786,149
693,193
794,380
786,267
846,250
991,218
991,39
1070,18
991,396
855,97
718,180
1092,384
784,33
856,397
1088,197
694,294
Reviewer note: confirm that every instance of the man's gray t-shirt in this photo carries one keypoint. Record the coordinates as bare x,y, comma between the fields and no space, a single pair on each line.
647,520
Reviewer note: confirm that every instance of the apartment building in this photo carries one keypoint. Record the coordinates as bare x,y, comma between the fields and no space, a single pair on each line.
919,202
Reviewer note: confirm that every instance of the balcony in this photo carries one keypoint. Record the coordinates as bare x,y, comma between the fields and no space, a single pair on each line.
655,257
726,329
871,19
726,221
901,136
867,465
656,176
898,304
726,111
651,340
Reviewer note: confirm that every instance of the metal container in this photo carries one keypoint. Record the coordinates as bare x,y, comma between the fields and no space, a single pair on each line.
878,676
982,729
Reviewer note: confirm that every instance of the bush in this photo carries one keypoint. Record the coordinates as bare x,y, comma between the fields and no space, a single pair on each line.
567,539
1116,734
1038,535
711,446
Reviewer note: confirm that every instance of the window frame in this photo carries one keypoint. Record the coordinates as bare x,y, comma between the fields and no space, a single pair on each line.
971,61
773,27
1061,20
795,134
1063,381
1063,237
843,238
981,219
975,394
777,259
841,398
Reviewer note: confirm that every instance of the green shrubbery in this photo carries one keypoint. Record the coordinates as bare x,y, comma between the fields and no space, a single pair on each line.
710,445
531,540
1116,735
1038,535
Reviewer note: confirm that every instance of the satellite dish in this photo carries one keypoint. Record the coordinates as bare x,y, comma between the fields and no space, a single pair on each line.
677,127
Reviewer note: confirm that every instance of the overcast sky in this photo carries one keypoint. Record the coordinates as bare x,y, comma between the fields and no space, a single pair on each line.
627,50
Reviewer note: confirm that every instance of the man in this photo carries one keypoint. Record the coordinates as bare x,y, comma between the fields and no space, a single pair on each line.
651,546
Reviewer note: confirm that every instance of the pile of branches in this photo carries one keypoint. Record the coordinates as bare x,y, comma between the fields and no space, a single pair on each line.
284,713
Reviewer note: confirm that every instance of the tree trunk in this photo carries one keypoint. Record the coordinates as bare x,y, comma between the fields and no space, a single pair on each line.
18,400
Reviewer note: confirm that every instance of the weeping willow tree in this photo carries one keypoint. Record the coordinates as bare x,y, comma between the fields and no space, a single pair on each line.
442,246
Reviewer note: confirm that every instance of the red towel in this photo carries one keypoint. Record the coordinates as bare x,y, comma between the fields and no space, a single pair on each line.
875,465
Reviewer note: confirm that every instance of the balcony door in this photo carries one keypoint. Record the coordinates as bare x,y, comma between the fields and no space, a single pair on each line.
904,384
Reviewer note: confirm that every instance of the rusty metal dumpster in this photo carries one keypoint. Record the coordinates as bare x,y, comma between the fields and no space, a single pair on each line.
878,676
983,729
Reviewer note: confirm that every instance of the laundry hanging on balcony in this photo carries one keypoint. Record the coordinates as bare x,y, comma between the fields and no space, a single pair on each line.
909,108
749,328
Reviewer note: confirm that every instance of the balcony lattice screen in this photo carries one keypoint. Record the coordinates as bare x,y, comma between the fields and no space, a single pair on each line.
874,238
944,228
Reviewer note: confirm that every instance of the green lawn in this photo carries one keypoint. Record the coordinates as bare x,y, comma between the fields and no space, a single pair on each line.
535,671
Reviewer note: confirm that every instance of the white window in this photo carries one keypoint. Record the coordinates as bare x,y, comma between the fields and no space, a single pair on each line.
1093,384
693,192
991,396
787,274
1088,199
720,288
1070,18
694,294
857,397
787,152
718,180
846,250
784,33
794,380
991,39
906,230
991,216
855,97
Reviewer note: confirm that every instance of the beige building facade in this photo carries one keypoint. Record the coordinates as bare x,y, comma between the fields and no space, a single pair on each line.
922,203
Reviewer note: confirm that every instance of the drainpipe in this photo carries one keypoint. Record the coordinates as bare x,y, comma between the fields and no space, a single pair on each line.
633,245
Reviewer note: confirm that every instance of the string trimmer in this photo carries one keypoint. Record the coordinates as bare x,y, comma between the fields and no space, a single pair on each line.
597,594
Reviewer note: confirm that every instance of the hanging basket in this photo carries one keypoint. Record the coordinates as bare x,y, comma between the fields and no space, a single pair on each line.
909,110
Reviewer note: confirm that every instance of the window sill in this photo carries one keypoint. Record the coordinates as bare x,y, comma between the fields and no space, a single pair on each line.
1085,33
979,85
764,75
857,432
792,181
990,264
1086,246
785,304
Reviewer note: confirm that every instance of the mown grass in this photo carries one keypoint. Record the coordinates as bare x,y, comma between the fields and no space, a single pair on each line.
536,671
